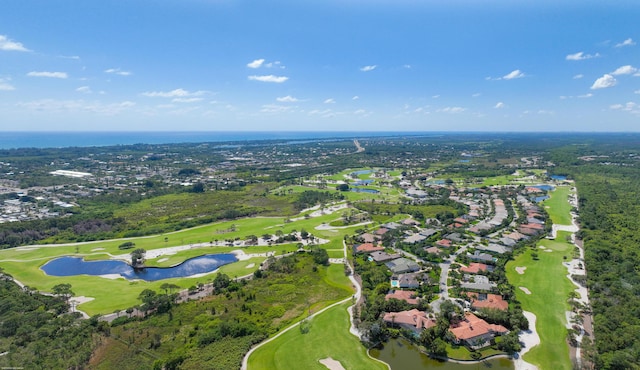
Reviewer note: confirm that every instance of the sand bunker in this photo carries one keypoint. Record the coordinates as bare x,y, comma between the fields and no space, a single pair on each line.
162,260
251,265
541,247
520,269
97,249
81,299
111,276
525,290
548,250
332,364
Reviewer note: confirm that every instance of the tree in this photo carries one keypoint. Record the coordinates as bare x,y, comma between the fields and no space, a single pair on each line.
137,258
63,290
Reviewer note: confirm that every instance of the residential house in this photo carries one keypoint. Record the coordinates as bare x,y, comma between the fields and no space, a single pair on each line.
381,257
475,267
477,282
403,295
413,320
367,248
475,332
484,300
481,257
402,265
415,238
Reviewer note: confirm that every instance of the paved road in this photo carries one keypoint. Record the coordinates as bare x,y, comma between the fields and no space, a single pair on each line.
444,277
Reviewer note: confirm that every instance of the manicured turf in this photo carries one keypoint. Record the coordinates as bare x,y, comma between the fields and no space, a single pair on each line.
328,336
549,286
558,206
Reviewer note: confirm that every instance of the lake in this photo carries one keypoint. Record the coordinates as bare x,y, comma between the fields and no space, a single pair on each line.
400,354
72,266
363,190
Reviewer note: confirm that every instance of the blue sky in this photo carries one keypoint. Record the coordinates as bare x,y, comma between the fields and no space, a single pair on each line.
350,65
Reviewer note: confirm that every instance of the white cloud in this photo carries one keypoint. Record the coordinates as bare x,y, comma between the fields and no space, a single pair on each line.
435,96
578,76
585,95
625,70
118,71
627,42
186,100
66,106
476,95
177,93
407,66
629,107
5,86
368,68
275,64
499,105
48,74
603,82
269,78
256,63
9,45
84,89
581,56
274,108
287,99
514,74
329,101
452,110
637,92
355,97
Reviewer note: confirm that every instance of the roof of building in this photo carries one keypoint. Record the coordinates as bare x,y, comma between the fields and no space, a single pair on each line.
494,301
415,318
368,248
472,327
474,268
403,295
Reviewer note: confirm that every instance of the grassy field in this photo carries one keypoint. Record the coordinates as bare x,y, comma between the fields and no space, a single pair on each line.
328,336
546,280
558,206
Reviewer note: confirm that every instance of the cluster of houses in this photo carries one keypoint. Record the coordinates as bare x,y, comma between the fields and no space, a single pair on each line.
480,251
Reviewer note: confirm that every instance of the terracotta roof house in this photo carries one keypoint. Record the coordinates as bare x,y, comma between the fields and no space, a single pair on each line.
413,320
515,236
482,300
460,220
527,231
474,268
381,231
410,221
444,243
534,226
368,248
475,332
403,295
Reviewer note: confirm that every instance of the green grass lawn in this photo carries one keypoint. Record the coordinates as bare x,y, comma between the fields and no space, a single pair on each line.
546,279
558,205
328,336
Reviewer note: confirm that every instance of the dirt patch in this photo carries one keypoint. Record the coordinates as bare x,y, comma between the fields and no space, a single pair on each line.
332,364
520,269
525,290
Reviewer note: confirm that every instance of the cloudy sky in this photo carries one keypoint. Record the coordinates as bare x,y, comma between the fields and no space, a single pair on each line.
390,65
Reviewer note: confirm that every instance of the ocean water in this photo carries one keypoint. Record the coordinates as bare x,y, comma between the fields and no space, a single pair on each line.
13,140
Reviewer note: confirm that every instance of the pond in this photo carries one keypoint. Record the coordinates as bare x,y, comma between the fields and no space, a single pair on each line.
544,187
558,177
72,266
364,190
361,172
400,354
540,199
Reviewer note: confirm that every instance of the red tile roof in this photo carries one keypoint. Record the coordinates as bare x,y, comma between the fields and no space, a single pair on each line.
492,301
368,248
444,242
415,318
403,295
474,268
472,327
